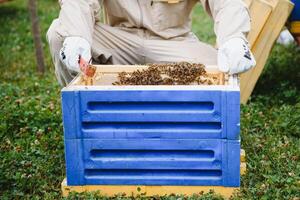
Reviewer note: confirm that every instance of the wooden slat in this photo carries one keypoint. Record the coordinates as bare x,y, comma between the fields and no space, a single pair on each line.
260,11
243,155
264,43
147,190
243,168
295,27
248,3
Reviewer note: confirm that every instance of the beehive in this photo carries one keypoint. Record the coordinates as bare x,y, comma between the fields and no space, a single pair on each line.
185,135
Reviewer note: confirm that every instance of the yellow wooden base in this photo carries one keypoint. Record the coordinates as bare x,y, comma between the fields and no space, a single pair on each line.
147,190
243,166
295,27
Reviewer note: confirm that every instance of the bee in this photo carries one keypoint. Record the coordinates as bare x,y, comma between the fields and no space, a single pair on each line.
182,73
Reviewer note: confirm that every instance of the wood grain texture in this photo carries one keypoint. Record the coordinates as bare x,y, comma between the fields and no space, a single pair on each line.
262,46
134,190
248,3
260,11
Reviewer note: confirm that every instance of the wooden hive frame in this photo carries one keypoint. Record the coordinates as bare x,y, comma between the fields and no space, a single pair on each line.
106,75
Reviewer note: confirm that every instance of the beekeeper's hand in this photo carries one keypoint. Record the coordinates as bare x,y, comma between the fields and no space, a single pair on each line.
74,48
234,56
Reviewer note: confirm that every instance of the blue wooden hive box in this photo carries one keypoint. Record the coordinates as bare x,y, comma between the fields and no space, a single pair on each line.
151,135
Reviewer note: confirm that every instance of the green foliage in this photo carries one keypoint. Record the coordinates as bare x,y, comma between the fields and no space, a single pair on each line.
281,77
270,137
31,148
31,158
203,26
97,195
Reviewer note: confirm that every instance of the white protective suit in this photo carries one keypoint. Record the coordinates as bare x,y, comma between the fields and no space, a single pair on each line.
143,31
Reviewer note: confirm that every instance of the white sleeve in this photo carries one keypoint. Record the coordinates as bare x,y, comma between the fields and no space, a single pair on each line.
231,18
78,17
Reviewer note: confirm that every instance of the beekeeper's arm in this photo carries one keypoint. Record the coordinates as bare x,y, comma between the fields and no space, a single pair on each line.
231,24
77,20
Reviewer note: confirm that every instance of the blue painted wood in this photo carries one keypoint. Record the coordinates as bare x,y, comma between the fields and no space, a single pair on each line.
192,114
152,137
295,16
74,161
153,162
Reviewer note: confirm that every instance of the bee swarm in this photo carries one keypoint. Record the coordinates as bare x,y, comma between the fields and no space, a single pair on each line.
182,73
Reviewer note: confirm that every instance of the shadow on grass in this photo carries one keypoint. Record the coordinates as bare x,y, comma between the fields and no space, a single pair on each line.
7,10
280,81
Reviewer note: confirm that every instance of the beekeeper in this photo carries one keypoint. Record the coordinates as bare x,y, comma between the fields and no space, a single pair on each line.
147,31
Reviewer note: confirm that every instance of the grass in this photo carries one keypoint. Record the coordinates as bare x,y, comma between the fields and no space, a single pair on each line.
31,149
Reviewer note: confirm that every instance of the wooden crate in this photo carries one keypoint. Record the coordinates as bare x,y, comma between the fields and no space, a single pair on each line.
268,19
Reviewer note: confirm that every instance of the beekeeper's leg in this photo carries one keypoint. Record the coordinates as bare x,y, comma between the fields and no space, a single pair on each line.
188,49
112,45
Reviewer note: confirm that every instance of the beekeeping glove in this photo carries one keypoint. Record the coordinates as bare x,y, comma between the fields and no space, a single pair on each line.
74,48
234,56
